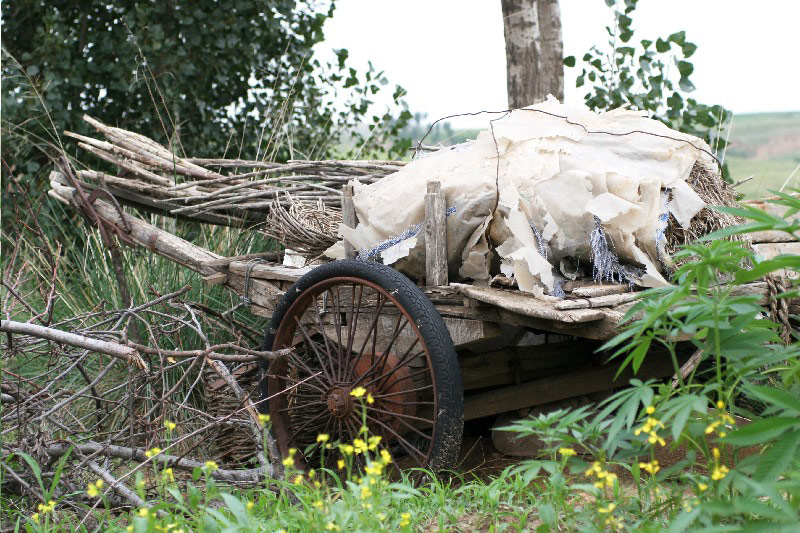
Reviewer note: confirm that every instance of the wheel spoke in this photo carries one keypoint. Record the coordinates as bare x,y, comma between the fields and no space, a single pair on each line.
374,325
401,415
403,442
301,406
301,428
402,392
384,357
351,334
387,386
399,365
321,330
314,348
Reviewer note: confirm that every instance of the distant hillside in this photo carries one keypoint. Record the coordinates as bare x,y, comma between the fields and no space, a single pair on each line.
767,147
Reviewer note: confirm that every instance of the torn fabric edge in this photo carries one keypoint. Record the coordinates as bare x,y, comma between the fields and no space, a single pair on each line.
411,231
605,263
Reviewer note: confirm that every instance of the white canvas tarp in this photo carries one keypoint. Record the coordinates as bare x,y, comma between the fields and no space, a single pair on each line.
545,191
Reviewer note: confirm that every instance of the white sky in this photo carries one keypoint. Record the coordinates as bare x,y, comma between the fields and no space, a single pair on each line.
450,54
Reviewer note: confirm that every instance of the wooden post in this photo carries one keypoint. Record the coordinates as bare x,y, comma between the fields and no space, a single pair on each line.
435,236
348,218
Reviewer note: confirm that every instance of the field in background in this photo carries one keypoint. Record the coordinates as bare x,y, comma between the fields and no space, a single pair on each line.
767,147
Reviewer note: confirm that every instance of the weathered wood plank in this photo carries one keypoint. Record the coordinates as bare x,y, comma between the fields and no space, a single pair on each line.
592,291
556,388
348,218
527,305
435,236
268,271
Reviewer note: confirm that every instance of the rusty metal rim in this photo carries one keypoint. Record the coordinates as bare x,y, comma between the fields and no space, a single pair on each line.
284,336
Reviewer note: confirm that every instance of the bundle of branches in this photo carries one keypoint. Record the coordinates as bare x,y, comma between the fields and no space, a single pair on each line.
304,227
714,191
220,191
103,402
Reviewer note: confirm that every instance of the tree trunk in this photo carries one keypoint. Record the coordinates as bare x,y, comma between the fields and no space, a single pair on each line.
534,51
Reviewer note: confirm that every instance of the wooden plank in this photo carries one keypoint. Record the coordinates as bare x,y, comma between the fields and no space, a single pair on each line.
556,388
771,236
517,364
466,331
348,218
435,236
216,279
774,249
226,261
527,305
600,290
268,271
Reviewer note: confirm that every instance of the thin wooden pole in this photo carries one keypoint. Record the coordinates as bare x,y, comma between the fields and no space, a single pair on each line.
435,236
348,218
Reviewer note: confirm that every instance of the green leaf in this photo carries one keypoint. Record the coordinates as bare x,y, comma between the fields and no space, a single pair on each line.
761,431
678,38
685,68
776,396
686,85
777,459
662,45
37,471
569,61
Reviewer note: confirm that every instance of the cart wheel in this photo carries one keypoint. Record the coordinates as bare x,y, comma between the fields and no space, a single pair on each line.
363,324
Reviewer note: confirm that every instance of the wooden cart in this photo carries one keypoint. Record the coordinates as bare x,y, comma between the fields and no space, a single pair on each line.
426,356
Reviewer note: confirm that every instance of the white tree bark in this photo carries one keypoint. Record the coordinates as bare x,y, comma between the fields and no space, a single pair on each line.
534,51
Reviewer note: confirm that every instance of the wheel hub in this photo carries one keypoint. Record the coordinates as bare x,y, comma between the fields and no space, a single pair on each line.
340,403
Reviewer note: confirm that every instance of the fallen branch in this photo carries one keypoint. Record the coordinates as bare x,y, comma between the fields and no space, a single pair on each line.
113,349
139,455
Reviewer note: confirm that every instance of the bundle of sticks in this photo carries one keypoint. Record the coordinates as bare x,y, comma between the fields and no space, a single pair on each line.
221,191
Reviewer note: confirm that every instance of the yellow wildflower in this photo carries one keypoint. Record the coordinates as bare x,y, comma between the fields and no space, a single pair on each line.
93,489
715,453
332,527
144,512
323,437
170,425
374,441
312,473
719,472
250,506
211,466
358,392
318,504
264,419
365,493
288,462
606,510
298,479
47,507
168,474
152,452
347,449
340,463
405,519
129,529
720,404
370,399
651,467
386,457
702,487
35,517
654,438
381,516
360,446
650,410
567,452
